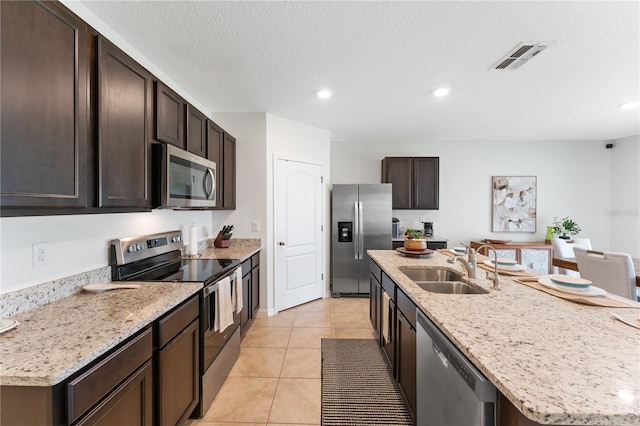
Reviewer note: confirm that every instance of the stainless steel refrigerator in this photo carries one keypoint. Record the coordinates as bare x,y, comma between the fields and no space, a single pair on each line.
360,221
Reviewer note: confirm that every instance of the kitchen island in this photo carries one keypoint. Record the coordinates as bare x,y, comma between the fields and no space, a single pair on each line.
555,361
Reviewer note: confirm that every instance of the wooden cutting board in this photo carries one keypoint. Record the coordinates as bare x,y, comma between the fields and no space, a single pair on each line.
609,300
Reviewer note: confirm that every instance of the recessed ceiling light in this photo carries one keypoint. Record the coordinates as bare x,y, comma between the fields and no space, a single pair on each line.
324,94
628,105
442,91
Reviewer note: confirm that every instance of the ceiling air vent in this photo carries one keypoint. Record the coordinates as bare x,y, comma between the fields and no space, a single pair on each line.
521,55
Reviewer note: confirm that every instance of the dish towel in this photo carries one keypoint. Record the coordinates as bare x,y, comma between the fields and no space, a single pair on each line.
385,316
224,309
238,290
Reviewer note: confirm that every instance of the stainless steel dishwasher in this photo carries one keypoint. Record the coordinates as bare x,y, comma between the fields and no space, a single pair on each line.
450,390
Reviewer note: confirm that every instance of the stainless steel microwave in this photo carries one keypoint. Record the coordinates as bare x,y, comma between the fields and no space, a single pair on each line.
182,180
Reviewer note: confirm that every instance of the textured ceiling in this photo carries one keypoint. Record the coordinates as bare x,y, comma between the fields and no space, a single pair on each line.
383,59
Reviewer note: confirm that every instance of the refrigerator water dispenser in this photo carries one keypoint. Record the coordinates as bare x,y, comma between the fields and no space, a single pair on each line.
345,232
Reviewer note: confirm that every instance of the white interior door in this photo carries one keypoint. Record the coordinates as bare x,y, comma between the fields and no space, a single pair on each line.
298,233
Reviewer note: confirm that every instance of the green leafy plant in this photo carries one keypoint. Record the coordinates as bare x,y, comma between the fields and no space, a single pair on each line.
412,234
565,226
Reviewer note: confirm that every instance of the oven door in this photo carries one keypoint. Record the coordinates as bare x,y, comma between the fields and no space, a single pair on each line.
213,341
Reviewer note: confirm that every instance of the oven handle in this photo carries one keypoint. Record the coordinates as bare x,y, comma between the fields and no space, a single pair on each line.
210,289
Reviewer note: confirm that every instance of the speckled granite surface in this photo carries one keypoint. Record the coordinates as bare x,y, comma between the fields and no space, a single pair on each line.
558,362
240,248
22,300
58,339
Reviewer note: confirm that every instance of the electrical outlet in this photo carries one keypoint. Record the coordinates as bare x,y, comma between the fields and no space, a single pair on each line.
41,254
255,226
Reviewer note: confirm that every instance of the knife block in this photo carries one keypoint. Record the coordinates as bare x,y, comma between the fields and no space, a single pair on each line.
220,243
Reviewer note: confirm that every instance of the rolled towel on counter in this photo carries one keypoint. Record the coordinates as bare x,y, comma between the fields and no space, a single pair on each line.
385,316
192,248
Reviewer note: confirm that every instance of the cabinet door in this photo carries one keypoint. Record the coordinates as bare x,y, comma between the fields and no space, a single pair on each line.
406,361
178,377
229,170
215,146
389,346
255,291
538,260
196,131
44,106
246,299
124,117
426,172
374,305
397,171
169,116
130,404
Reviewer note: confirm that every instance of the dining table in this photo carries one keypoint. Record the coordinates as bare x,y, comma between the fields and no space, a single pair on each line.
570,263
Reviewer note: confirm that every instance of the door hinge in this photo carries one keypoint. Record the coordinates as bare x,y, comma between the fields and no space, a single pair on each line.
321,179
321,228
322,277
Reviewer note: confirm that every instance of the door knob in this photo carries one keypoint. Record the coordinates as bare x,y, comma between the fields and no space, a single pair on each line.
281,243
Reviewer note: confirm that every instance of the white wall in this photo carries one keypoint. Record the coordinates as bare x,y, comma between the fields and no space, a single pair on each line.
79,243
574,179
287,139
624,210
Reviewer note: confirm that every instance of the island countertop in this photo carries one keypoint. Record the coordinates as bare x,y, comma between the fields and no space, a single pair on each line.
558,362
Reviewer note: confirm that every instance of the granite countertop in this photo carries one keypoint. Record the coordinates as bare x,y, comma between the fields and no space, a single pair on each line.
56,340
558,362
59,336
240,248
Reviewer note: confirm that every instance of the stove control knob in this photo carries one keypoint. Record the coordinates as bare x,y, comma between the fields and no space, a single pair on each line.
139,246
131,248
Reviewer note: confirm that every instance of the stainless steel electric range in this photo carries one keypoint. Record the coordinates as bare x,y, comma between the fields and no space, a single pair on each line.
158,257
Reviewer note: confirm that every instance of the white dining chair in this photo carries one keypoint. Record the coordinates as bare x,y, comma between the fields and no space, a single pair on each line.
563,249
610,271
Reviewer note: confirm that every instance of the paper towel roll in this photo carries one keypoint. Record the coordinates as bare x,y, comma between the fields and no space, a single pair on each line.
192,248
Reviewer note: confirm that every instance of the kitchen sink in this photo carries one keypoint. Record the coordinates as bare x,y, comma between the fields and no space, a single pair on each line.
449,287
440,280
435,274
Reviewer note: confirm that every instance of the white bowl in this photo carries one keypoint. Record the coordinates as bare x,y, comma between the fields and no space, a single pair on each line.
501,261
572,282
460,249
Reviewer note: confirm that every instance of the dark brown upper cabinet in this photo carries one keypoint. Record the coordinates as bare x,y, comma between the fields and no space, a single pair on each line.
229,180
125,99
415,181
169,116
196,131
221,149
44,107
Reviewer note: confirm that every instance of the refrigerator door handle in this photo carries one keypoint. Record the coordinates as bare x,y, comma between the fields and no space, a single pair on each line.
361,230
356,231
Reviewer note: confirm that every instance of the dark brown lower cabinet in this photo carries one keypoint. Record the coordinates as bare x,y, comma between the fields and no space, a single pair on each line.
375,294
251,292
130,404
178,383
406,350
388,321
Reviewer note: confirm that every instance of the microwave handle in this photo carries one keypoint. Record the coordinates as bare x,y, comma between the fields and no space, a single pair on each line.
209,176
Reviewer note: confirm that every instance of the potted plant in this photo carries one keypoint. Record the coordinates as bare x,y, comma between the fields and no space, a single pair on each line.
414,240
564,226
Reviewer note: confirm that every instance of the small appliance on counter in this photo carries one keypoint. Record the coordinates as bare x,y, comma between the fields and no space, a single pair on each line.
395,227
428,229
222,240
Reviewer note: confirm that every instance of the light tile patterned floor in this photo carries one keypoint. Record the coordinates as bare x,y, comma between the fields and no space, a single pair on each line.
276,379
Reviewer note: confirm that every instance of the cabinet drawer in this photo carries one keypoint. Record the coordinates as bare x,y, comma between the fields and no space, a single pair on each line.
375,270
407,307
87,389
255,260
175,322
389,286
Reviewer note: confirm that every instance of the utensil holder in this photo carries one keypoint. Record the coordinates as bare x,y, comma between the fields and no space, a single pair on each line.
220,243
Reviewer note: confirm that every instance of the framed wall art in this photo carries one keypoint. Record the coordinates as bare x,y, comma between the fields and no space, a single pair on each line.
513,203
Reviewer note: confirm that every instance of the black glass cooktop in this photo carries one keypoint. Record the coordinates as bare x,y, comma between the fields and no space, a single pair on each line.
188,270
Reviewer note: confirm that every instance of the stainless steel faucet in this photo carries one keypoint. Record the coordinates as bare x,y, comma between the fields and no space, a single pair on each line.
471,263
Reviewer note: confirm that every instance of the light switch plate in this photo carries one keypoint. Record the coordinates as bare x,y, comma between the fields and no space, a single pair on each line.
255,226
